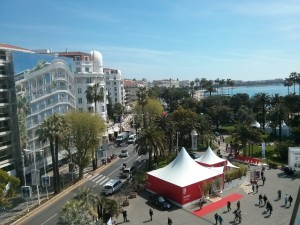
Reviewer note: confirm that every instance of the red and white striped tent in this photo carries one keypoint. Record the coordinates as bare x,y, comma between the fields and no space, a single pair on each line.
182,180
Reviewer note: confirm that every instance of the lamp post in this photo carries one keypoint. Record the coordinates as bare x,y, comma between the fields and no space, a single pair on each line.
24,174
42,150
37,186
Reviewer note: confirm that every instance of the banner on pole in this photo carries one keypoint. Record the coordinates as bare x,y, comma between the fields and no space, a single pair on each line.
35,177
263,150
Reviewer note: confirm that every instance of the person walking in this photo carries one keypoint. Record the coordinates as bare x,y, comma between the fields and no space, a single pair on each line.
279,194
268,206
263,180
290,200
238,204
170,221
265,199
124,216
228,206
216,218
256,187
151,214
270,209
220,220
260,199
286,198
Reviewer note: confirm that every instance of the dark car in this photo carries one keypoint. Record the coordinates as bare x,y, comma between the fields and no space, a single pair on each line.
194,155
160,202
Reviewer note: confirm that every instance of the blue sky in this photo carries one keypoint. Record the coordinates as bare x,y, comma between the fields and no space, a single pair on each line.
162,39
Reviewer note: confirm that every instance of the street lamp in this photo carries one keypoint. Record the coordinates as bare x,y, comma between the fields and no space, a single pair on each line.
35,174
24,177
42,150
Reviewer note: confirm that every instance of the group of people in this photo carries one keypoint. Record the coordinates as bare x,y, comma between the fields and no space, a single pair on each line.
288,199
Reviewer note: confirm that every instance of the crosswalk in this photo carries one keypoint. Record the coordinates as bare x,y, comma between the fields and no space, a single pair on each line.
99,179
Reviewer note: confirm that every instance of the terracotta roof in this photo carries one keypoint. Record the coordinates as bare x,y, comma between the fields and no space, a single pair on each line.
11,47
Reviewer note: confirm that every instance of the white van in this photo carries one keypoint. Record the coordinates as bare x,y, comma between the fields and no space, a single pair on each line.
112,186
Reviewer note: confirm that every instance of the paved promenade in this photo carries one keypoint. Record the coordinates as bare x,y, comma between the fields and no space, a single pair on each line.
252,213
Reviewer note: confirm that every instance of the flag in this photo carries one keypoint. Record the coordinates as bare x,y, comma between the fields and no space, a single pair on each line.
109,222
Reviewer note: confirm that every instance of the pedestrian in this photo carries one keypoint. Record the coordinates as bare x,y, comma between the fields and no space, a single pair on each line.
220,219
228,206
216,218
253,188
170,221
151,214
238,204
279,194
265,199
268,206
256,187
263,180
124,215
260,199
286,198
290,200
262,173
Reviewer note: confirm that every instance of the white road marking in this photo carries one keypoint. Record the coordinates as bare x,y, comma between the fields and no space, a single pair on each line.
101,179
104,181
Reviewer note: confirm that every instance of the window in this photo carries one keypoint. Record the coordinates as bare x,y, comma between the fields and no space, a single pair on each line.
115,83
116,99
77,58
79,90
115,78
78,69
79,100
115,88
88,80
87,69
86,58
116,94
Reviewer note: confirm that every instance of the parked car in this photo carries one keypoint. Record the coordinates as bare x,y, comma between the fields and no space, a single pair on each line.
160,202
131,139
194,155
124,154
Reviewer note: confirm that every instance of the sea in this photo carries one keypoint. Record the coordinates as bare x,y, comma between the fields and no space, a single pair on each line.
271,90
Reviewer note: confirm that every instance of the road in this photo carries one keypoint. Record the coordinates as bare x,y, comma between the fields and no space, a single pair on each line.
48,214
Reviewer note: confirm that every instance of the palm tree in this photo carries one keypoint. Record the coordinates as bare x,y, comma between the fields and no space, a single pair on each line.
222,83
142,98
74,213
94,94
151,141
23,111
261,101
165,123
88,206
293,78
230,84
50,130
288,83
192,90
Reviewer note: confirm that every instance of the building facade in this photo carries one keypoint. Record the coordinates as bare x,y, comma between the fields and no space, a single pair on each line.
115,86
38,86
